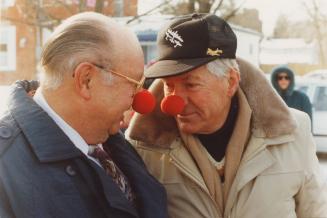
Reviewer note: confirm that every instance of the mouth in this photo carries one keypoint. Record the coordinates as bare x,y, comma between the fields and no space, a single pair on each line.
185,116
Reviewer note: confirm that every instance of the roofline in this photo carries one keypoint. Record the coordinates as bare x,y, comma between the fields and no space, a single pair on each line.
244,29
167,17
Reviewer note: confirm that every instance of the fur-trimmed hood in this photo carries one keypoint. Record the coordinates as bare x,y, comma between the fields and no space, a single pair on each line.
270,115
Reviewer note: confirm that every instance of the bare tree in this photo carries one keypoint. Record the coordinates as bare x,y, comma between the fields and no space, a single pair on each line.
234,10
283,27
317,18
40,13
286,28
191,6
164,3
248,18
225,9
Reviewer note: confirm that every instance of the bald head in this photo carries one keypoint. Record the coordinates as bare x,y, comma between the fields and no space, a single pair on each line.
78,81
90,37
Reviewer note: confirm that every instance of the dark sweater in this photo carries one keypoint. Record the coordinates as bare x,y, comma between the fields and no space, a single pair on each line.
293,98
216,143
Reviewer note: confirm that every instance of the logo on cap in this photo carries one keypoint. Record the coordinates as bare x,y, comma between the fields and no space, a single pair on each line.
216,52
174,38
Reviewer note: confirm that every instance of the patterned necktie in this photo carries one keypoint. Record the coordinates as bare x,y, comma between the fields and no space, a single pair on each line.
112,170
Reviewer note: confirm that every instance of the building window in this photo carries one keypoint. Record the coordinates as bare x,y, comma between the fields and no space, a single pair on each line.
251,49
7,48
150,52
6,3
119,8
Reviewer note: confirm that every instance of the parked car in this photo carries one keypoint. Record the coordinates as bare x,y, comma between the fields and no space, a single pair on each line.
317,74
316,89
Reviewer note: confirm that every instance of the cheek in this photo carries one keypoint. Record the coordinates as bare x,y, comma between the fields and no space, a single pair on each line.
283,83
201,104
216,105
123,96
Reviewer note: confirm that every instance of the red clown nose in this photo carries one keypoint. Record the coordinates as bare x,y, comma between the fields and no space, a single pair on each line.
143,102
172,105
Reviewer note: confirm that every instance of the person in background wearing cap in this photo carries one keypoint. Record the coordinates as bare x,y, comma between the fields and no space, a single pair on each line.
60,153
220,140
282,79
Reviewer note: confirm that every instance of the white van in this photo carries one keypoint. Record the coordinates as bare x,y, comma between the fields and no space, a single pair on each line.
316,89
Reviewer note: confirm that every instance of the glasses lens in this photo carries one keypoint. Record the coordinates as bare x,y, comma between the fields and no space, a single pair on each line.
283,77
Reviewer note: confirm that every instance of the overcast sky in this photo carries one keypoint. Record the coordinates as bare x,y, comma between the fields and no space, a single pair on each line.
268,9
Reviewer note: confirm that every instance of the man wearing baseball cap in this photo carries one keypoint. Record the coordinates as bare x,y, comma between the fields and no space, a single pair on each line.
223,143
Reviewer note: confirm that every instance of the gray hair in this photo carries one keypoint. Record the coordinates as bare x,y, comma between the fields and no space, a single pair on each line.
220,67
82,37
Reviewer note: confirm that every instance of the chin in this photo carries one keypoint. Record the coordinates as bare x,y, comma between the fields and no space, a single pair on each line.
114,129
103,139
187,128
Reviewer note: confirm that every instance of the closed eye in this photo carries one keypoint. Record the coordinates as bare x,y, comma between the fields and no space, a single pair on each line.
192,85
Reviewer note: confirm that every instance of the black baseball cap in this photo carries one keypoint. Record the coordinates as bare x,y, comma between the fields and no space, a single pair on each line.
190,41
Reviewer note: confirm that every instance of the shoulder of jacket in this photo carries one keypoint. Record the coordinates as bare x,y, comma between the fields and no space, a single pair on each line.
8,131
299,116
303,122
301,94
140,145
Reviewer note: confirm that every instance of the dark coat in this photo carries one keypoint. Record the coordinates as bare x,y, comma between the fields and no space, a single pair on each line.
42,174
293,98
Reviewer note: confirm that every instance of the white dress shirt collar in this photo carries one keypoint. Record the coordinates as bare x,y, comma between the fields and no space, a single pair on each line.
72,134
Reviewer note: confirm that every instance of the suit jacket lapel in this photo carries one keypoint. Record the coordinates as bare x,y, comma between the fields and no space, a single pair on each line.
112,193
150,194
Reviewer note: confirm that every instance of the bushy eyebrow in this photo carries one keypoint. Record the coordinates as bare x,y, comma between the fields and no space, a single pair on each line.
193,77
186,77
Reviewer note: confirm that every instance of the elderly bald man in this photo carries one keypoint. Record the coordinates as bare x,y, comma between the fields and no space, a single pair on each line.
60,153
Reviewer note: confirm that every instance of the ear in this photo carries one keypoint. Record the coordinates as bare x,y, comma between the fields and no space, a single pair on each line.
83,75
233,82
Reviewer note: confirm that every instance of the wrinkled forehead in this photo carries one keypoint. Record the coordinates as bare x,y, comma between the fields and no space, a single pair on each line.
130,60
200,75
126,44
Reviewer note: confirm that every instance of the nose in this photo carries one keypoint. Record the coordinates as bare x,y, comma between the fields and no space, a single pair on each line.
174,103
179,91
143,102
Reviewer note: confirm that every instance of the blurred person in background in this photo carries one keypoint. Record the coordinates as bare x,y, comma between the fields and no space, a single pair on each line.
283,80
30,86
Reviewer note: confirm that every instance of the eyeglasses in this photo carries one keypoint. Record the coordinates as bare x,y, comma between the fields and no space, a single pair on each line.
139,84
283,77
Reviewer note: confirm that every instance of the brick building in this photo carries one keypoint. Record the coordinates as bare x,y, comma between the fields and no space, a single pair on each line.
24,24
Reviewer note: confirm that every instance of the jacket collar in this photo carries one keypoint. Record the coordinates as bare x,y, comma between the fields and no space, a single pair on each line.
270,118
47,140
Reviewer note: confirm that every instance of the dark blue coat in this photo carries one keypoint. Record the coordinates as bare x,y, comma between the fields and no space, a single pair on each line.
42,174
293,98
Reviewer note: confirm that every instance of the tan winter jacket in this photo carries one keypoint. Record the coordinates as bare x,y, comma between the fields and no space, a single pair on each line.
271,169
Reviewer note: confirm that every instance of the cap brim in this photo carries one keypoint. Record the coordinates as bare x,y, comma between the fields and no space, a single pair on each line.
166,68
